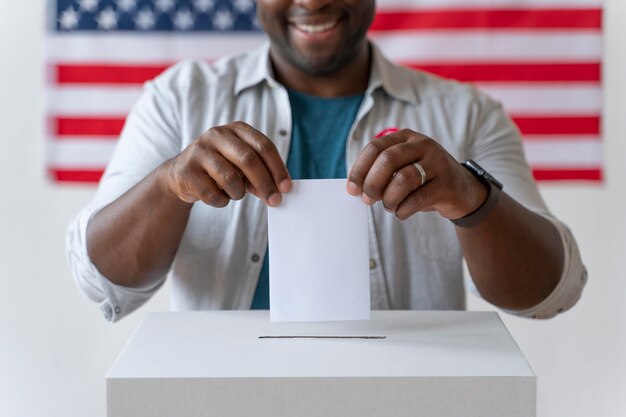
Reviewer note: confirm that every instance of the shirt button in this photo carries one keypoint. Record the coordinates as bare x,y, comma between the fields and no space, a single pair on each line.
255,257
117,310
373,263
282,132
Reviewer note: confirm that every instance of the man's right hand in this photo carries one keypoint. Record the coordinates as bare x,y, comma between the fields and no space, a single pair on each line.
223,164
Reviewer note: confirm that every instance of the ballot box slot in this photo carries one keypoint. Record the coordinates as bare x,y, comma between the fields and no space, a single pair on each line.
325,337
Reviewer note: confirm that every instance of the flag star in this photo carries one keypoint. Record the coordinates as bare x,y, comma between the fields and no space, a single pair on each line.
126,5
69,18
243,5
145,19
88,5
183,19
223,20
203,5
107,19
164,5
255,22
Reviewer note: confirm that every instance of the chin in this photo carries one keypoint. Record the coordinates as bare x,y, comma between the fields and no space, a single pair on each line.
320,65
319,69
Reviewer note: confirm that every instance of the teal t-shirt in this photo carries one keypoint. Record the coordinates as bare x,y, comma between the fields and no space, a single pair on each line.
317,151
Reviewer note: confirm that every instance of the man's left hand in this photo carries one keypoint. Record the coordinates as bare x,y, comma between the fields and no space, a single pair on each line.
385,171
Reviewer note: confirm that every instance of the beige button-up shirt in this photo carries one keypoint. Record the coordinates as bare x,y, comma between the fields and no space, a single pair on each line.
415,264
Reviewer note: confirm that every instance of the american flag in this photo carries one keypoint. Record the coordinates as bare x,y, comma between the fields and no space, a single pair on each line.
540,58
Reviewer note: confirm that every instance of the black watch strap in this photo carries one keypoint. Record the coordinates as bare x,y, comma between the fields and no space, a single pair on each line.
478,215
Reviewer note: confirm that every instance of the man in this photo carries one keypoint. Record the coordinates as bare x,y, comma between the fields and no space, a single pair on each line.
204,150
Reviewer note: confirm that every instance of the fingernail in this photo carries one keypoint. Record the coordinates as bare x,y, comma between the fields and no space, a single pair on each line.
274,200
366,199
353,188
386,209
284,186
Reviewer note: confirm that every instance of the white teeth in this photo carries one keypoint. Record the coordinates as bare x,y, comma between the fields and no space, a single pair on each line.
316,28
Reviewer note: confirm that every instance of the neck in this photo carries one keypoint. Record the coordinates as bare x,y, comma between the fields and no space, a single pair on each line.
351,79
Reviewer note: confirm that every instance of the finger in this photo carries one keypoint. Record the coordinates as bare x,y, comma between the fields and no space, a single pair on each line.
202,187
225,175
250,164
250,188
366,158
404,182
388,163
421,199
270,156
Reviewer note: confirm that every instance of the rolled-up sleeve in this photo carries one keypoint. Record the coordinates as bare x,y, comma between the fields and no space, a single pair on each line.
150,136
569,289
115,301
497,146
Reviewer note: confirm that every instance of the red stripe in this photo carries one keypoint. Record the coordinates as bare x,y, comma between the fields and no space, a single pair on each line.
468,72
558,125
544,174
112,126
88,126
488,19
515,72
76,175
540,174
106,73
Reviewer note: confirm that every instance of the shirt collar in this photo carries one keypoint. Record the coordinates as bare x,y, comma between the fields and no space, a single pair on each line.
254,69
394,80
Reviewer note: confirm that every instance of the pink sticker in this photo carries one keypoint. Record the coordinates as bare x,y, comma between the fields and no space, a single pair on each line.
386,132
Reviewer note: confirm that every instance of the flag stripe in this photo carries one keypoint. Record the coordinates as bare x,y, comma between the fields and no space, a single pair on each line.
91,175
483,46
88,126
560,140
99,73
92,100
86,175
572,174
548,151
556,99
490,19
96,73
545,125
559,153
481,4
515,72
147,49
78,153
427,46
111,126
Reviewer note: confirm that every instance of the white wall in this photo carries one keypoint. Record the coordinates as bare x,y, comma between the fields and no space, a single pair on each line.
55,347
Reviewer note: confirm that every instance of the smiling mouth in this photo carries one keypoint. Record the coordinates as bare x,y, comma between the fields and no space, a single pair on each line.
318,28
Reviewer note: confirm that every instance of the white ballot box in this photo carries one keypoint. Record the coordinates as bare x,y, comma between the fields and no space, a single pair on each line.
399,363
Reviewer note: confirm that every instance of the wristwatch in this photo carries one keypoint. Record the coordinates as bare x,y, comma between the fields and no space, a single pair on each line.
494,186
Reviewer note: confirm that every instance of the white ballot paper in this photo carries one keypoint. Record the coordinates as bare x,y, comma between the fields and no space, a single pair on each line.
319,254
